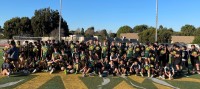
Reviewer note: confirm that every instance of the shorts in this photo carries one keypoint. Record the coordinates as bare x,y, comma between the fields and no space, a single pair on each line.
177,62
196,61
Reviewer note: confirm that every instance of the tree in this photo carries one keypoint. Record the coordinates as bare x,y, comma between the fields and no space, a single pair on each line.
12,27
55,33
176,34
46,20
160,27
188,30
197,32
102,34
1,30
164,36
196,40
77,32
25,27
147,36
124,29
140,28
82,31
113,35
89,31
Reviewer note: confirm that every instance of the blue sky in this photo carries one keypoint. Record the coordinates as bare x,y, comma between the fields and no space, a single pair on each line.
109,14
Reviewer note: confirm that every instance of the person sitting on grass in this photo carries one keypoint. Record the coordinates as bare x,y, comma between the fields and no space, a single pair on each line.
22,62
155,69
6,68
106,66
77,64
114,68
122,68
88,67
55,60
141,63
146,68
135,68
169,71
68,68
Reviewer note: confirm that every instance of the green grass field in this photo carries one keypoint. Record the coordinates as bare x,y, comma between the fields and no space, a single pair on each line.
71,81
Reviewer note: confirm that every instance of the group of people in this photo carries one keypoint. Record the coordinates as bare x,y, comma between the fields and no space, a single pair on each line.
105,58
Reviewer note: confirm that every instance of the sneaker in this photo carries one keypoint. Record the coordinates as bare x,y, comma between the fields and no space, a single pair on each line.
4,58
123,74
8,74
81,70
198,72
34,71
83,75
141,74
52,70
100,75
163,77
160,77
45,70
76,72
151,76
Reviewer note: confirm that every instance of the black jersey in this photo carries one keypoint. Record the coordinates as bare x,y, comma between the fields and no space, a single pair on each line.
185,54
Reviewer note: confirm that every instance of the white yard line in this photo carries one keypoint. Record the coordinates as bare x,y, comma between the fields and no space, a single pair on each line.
10,83
163,83
132,83
105,82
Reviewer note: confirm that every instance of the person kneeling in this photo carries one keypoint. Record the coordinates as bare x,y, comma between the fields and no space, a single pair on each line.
6,67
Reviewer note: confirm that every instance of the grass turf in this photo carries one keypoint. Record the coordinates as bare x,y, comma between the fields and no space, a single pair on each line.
95,82
54,83
14,79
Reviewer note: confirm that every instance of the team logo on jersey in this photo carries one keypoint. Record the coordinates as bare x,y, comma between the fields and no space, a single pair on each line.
194,53
174,52
72,46
113,49
146,67
104,48
147,49
152,58
97,48
91,47
137,49
162,52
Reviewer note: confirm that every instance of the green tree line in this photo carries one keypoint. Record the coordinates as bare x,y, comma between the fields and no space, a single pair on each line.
42,23
147,33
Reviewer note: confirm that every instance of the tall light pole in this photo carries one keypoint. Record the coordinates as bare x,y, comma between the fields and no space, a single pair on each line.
156,35
60,14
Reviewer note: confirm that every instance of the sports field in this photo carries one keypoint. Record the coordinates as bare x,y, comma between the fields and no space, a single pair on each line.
74,81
